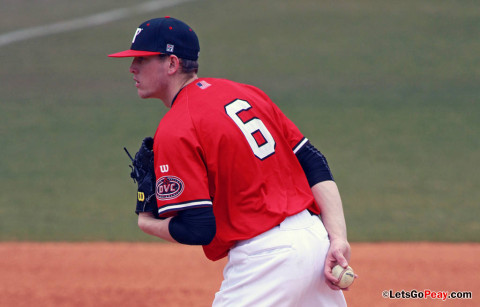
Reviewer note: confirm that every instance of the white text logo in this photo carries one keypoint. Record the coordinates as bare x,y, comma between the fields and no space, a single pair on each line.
164,168
136,33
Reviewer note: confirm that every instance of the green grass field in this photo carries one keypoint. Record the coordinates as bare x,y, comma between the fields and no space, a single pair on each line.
388,90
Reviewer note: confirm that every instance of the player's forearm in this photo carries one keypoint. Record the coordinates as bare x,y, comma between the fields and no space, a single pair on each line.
328,198
155,227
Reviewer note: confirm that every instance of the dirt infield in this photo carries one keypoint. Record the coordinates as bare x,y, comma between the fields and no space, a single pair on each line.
148,274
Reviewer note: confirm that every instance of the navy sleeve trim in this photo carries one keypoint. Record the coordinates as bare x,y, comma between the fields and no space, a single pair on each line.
314,164
193,226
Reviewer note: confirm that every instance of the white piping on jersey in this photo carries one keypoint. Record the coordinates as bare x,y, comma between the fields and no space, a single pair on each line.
300,145
184,206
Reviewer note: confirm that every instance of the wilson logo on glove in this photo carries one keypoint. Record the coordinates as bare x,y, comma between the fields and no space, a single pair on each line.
169,187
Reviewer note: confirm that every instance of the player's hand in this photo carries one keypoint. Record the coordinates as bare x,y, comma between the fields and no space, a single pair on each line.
338,253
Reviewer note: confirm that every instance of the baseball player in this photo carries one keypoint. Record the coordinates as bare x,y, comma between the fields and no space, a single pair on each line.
227,170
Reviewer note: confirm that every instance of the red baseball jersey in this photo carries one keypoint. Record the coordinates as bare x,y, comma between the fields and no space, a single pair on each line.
227,145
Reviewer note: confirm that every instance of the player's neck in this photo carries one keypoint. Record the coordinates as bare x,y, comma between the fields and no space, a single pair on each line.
179,86
189,80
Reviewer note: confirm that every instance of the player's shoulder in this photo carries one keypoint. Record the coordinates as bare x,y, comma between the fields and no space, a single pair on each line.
206,97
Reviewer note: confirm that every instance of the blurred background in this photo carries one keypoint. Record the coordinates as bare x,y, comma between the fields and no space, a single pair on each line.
387,90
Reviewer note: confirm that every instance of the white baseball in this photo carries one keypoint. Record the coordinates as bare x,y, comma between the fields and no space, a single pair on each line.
345,276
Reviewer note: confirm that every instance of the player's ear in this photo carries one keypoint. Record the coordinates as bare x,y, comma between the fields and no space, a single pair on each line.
173,64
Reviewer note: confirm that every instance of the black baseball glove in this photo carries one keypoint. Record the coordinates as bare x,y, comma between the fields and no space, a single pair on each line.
143,173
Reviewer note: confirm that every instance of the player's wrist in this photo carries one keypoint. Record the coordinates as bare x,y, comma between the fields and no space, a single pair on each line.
146,214
340,244
338,238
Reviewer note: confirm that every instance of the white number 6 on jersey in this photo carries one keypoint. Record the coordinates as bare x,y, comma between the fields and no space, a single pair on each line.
249,128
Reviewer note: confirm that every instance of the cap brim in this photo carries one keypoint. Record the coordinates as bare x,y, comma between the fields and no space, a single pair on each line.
132,53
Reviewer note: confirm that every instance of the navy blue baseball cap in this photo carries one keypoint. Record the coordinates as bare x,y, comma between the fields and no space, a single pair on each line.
164,35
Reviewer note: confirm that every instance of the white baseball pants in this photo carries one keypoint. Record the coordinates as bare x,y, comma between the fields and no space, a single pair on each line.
281,267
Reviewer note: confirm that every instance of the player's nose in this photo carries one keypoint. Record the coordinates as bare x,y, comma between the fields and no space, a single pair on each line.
133,67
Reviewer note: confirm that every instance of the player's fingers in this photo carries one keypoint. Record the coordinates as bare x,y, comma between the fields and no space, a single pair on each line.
332,285
329,277
340,258
332,281
328,270
329,262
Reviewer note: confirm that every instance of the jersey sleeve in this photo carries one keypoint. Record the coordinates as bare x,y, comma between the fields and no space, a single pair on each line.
291,132
181,175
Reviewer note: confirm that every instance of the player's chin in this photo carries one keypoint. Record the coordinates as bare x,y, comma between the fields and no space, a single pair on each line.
143,94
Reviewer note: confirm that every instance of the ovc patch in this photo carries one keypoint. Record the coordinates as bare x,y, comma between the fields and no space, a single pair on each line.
169,187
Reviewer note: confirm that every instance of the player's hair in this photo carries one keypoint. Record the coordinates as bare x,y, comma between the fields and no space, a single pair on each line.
188,66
